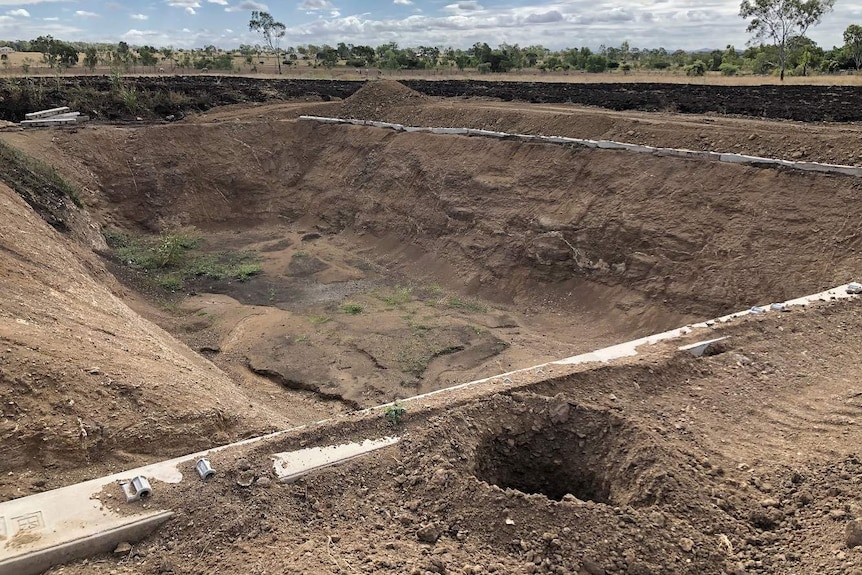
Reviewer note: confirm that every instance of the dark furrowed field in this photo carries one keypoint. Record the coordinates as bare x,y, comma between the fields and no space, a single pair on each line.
153,97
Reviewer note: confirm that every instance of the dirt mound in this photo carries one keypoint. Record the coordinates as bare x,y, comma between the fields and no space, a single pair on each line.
377,97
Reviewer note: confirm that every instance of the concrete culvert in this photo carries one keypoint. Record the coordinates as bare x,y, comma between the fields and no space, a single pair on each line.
586,453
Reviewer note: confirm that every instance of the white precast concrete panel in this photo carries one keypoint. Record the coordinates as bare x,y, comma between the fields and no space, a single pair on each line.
292,465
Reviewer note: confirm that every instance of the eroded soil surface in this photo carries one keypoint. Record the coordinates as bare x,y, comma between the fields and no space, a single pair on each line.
741,462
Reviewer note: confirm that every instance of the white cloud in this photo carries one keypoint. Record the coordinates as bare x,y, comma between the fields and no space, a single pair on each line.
51,19
85,14
403,2
248,5
334,14
315,5
185,4
19,12
219,2
469,6
139,17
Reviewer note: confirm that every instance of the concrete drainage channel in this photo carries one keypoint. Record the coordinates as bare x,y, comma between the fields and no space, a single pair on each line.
609,145
77,521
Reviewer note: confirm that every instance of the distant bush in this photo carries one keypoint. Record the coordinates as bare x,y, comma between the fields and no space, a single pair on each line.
729,69
596,64
696,68
357,63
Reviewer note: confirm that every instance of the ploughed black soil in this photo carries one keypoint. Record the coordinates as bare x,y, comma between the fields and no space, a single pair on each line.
800,103
159,97
102,97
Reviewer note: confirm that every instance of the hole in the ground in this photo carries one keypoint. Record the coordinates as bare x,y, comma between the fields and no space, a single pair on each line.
586,453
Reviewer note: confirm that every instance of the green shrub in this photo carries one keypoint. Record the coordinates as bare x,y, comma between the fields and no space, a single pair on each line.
394,413
351,308
729,69
696,68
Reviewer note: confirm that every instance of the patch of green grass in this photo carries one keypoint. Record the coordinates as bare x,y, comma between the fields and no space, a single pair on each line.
302,339
399,297
465,305
352,308
319,319
299,255
418,328
173,258
33,179
170,282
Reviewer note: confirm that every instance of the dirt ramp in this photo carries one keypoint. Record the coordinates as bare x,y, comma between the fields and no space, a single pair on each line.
85,380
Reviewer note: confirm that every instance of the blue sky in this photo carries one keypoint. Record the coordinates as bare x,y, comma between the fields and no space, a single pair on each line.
686,24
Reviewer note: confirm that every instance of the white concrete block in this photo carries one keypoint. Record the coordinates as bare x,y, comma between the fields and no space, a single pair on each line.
46,113
292,465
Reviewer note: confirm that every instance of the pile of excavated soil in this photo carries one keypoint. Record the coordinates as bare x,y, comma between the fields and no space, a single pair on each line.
378,97
744,462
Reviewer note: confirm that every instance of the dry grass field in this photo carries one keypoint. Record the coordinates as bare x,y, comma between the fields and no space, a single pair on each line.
305,70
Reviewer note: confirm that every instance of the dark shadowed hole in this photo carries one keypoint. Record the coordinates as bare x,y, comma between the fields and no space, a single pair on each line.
583,456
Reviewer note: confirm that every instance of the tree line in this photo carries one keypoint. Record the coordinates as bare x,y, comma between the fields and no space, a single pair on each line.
802,56
779,29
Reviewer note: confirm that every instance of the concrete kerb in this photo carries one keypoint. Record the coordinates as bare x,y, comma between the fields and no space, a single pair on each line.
741,159
76,505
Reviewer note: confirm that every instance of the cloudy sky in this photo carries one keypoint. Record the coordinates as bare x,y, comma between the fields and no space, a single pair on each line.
686,24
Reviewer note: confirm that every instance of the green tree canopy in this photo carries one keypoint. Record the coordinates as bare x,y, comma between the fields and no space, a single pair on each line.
782,20
853,43
271,31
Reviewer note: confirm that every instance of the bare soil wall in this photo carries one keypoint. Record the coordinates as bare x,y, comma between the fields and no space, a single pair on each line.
505,217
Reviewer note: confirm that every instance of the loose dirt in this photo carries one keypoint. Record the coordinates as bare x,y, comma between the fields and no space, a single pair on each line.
392,264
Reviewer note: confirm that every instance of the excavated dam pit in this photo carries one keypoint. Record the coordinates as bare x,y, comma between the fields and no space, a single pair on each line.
394,264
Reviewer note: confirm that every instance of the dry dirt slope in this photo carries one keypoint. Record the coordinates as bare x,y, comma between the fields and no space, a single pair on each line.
87,385
511,219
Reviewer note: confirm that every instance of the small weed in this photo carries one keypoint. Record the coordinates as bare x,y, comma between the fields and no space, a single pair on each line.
394,413
170,282
302,339
351,308
129,97
466,305
319,319
299,255
412,362
418,328
400,296
271,293
245,271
